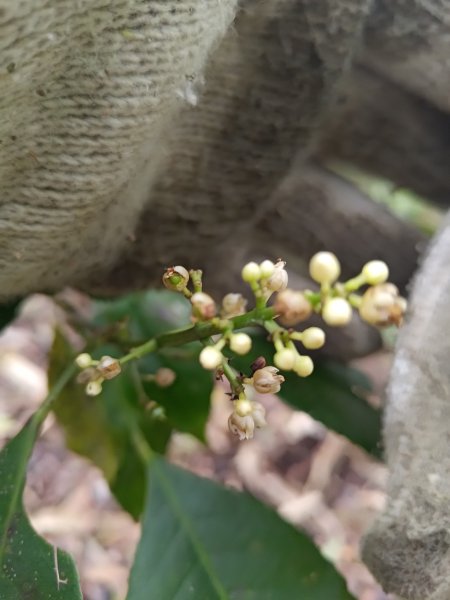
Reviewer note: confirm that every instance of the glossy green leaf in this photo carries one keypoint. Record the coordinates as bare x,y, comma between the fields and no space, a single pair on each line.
30,568
204,542
334,394
102,428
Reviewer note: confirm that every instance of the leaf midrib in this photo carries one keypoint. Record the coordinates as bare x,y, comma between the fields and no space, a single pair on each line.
190,533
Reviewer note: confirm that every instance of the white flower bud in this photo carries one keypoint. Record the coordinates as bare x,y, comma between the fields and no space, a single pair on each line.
203,306
242,427
233,305
94,388
381,305
324,267
278,281
285,359
292,307
108,367
337,312
313,338
164,377
267,380
210,358
84,360
267,268
240,343
251,272
176,278
243,407
375,272
304,366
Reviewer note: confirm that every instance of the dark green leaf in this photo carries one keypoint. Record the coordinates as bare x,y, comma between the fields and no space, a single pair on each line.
334,394
102,428
203,542
28,563
187,401
8,313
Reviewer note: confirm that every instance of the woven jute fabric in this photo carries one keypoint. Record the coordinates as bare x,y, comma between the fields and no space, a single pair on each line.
87,91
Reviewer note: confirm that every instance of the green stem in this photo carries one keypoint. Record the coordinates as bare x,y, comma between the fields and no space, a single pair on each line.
196,278
355,283
229,373
197,332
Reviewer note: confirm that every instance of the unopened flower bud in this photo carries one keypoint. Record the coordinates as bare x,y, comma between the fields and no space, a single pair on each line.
243,407
304,366
267,380
203,306
375,272
108,367
251,272
285,359
337,312
164,377
313,338
233,305
240,343
210,358
94,388
242,427
176,278
278,281
324,267
258,363
84,360
267,268
292,307
381,305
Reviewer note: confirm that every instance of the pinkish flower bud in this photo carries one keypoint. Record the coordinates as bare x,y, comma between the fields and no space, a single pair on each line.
108,367
267,380
203,306
164,377
233,305
381,305
292,307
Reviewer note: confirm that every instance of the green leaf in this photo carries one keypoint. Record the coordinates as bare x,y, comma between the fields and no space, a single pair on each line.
102,428
29,565
204,542
334,394
187,400
8,313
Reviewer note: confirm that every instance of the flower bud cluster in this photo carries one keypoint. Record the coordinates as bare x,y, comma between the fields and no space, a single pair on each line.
95,372
381,305
268,276
289,359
